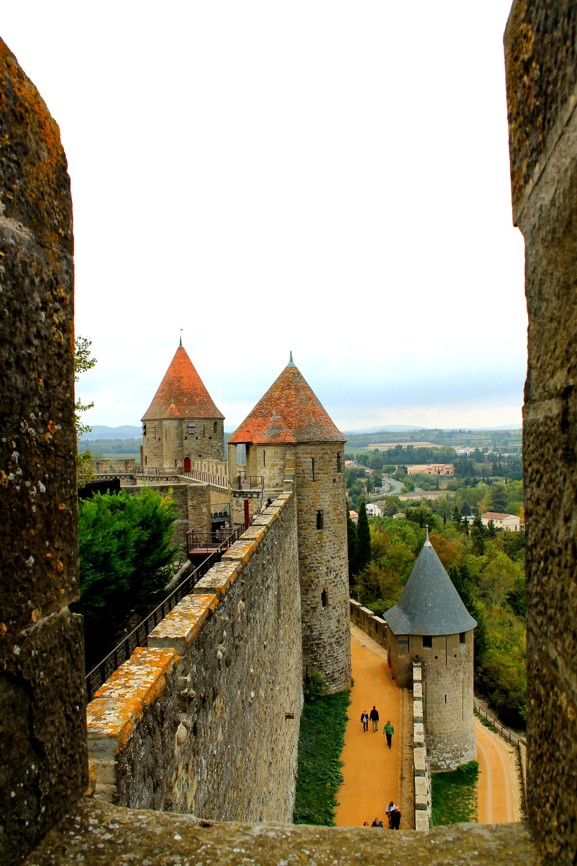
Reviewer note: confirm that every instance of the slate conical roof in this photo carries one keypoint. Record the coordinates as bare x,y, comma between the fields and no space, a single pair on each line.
181,393
430,604
289,412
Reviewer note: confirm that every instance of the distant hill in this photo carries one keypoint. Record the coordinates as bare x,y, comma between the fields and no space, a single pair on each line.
99,431
496,438
390,428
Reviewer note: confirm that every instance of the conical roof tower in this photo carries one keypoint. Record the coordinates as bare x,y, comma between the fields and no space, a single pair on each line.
430,604
289,413
182,424
292,447
182,393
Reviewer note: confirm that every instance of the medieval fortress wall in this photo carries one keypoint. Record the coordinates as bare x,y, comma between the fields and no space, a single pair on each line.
206,718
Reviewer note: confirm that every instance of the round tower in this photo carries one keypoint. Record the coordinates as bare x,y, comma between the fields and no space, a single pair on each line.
431,624
182,424
290,435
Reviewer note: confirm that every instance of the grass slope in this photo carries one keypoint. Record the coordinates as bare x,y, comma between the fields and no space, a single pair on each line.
455,795
322,737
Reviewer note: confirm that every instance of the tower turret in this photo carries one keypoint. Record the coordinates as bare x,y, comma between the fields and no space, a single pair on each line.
289,426
182,423
431,624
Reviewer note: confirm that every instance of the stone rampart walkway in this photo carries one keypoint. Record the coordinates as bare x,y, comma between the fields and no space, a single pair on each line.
372,773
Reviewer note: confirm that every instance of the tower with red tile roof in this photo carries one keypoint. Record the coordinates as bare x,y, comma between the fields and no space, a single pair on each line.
182,423
289,434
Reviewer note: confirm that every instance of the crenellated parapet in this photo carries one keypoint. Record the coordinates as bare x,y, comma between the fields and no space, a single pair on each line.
178,727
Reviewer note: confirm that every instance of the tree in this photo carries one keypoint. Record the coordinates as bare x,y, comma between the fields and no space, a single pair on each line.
478,534
363,539
352,549
83,361
498,498
125,547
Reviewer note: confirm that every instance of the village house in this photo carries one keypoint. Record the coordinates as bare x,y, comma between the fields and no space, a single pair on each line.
509,522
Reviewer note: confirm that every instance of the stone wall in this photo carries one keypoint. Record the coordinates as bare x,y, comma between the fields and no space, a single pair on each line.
367,621
206,719
541,60
421,774
448,687
42,723
323,562
167,442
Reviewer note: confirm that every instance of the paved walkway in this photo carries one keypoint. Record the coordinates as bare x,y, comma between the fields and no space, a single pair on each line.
373,775
371,771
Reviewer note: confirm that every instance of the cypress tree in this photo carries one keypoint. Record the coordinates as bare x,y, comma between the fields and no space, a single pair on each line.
352,548
364,555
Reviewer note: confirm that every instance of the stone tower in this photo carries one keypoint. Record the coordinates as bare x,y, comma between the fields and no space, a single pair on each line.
288,433
182,423
431,624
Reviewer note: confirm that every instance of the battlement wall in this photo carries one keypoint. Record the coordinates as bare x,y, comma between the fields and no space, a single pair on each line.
421,771
367,621
206,718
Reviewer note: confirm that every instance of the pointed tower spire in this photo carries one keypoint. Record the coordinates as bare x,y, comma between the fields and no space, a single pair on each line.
181,393
289,412
430,604
291,363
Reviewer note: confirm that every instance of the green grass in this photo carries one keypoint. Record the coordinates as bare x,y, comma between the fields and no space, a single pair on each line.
455,795
322,735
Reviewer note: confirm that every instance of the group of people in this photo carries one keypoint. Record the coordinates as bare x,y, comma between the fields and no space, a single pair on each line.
392,810
373,716
393,817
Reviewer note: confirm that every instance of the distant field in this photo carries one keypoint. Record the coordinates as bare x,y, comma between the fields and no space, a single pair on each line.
384,446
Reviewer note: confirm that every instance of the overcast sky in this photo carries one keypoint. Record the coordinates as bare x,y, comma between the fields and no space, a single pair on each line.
323,177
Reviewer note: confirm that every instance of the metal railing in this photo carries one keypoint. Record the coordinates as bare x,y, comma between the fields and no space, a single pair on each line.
208,478
503,731
220,539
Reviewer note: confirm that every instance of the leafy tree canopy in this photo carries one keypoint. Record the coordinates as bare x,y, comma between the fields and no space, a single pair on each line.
125,548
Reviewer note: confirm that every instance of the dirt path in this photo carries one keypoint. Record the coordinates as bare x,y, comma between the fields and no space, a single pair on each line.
371,771
499,789
373,775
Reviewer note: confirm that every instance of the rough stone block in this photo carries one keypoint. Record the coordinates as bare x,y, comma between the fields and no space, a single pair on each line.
421,792
420,760
183,624
422,821
417,711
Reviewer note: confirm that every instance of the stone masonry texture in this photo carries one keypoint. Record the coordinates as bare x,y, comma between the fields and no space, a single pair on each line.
211,727
41,685
323,563
541,59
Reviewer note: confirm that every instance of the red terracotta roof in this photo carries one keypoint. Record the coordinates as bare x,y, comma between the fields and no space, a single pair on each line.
288,412
181,393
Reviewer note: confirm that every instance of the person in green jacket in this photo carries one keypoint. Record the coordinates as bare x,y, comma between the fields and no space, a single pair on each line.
389,731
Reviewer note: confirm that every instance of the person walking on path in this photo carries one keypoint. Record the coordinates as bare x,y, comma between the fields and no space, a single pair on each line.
389,730
374,716
365,720
394,815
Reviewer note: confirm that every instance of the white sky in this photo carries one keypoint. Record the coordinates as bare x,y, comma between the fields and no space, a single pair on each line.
324,177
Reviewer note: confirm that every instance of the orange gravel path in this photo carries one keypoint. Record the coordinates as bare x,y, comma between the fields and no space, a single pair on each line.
498,788
370,769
